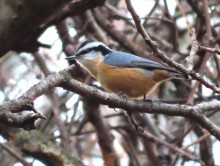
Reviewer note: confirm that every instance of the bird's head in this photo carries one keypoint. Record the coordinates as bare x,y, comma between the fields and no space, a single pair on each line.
90,50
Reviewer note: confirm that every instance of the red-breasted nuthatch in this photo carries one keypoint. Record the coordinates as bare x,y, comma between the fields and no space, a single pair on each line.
121,72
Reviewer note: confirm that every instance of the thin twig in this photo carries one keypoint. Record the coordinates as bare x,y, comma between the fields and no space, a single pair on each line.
157,52
207,55
212,50
147,135
190,59
134,123
15,154
200,139
182,11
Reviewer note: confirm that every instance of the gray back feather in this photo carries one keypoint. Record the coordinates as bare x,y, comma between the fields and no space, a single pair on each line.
123,59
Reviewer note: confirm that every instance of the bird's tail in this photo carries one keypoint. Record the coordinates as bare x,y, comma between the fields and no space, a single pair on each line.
178,75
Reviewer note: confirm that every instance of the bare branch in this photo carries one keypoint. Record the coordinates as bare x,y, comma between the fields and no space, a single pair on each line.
15,154
23,25
212,50
63,79
8,114
190,59
161,55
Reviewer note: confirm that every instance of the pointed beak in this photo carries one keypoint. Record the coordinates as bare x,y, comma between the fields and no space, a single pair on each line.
71,57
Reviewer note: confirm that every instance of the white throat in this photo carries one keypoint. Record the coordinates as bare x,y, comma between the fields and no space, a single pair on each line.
90,62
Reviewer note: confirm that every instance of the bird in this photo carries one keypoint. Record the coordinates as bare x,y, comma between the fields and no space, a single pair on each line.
120,72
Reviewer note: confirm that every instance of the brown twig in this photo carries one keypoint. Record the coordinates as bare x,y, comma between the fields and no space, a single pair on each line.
206,57
105,137
190,59
163,42
132,150
173,28
212,50
217,76
134,123
15,154
121,38
161,55
147,135
96,30
198,140
55,102
182,11
65,37
118,17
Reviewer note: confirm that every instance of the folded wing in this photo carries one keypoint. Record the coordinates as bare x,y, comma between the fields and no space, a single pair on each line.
122,59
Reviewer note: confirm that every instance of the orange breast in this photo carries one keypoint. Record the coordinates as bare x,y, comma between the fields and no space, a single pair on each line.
132,81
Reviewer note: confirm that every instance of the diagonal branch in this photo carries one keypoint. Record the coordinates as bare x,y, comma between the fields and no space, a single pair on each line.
161,55
15,154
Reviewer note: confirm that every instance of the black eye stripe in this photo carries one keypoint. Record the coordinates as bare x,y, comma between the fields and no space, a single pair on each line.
85,51
104,50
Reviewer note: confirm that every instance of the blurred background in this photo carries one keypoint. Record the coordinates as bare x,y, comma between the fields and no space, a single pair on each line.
78,131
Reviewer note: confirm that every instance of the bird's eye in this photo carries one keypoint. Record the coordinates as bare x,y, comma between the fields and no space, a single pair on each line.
84,52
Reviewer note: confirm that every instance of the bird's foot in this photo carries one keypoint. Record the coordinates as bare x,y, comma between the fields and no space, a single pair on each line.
122,94
148,100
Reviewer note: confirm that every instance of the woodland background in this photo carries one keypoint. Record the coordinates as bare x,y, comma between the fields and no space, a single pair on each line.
47,117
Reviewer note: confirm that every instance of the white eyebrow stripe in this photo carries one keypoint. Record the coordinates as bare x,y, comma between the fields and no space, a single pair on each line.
90,45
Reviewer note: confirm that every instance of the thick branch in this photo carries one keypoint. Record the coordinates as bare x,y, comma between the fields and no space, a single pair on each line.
23,21
8,114
63,79
114,101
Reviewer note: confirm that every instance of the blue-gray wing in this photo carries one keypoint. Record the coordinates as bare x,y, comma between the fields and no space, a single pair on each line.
122,59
